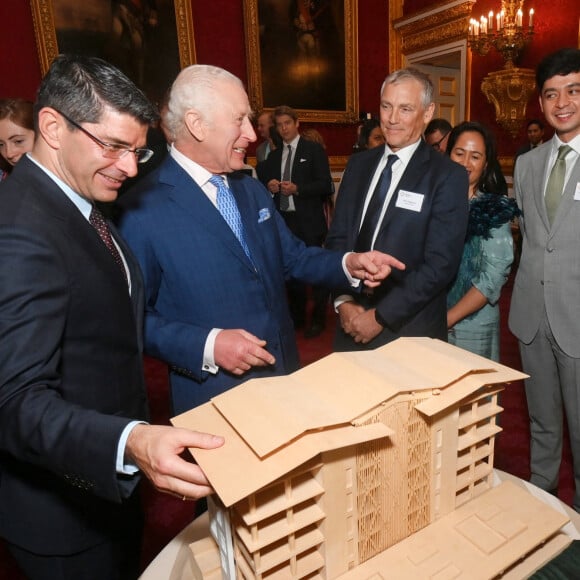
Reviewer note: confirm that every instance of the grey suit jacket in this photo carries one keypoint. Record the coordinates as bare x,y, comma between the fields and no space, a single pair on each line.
549,271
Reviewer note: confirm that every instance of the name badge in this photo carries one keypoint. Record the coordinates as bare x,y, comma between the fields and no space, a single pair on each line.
577,192
410,200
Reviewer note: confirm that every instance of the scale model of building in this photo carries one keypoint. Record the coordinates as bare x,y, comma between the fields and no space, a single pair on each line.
326,469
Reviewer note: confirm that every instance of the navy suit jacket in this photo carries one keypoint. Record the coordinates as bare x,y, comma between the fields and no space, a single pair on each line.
198,277
70,371
429,241
311,174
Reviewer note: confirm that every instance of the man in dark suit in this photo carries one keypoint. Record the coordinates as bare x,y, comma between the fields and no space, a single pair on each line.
72,398
214,251
409,200
535,132
298,176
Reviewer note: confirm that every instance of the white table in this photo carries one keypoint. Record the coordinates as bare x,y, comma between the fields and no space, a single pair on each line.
174,562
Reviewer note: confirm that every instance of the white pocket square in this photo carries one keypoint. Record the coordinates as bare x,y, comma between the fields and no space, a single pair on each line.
263,215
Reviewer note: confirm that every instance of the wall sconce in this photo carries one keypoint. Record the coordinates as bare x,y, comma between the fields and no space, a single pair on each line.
509,89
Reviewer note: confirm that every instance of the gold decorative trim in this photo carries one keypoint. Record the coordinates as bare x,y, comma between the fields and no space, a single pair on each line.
43,19
47,45
338,162
509,91
440,24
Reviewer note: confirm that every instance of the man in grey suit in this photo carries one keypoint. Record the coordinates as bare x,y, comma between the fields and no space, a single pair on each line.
545,306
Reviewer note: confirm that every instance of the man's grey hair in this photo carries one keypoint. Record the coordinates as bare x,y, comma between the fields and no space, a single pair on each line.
195,88
411,73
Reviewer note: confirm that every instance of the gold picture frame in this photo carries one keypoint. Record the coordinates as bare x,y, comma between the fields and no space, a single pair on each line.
181,35
308,79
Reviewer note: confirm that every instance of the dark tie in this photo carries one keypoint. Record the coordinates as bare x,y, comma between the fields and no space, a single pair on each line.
374,208
228,207
97,220
284,199
555,184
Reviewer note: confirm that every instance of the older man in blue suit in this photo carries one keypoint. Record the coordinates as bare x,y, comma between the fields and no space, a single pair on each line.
215,253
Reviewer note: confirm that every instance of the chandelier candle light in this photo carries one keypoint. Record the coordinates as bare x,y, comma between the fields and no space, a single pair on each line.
506,32
508,89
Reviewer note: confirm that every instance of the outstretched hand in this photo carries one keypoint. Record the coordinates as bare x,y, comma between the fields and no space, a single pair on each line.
372,267
156,450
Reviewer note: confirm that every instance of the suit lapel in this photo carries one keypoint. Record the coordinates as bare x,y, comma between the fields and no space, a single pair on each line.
191,199
366,171
409,181
538,171
568,196
77,227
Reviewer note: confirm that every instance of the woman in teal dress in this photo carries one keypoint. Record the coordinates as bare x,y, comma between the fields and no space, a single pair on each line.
472,301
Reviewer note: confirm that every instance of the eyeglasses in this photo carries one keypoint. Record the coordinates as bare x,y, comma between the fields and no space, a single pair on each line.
110,150
437,144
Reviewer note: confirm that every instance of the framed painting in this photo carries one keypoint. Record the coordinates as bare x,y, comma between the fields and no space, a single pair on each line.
149,40
303,53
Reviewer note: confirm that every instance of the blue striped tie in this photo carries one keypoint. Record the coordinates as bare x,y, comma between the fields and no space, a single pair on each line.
227,206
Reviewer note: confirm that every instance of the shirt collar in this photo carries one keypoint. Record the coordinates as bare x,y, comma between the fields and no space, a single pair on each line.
403,154
574,143
198,173
293,143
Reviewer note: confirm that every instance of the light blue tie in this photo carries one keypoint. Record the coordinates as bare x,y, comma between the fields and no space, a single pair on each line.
227,206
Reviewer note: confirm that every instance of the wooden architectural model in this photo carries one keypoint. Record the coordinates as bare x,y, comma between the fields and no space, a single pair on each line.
325,469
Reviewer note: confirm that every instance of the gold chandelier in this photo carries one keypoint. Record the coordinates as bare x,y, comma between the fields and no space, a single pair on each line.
505,32
509,89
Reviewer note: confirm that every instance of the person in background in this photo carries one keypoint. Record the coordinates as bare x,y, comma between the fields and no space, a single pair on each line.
437,134
472,302
298,176
407,199
74,443
535,132
215,253
315,136
16,130
264,124
274,141
370,135
544,307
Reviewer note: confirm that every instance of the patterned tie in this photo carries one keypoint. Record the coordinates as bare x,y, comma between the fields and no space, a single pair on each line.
97,220
227,206
284,199
555,184
374,208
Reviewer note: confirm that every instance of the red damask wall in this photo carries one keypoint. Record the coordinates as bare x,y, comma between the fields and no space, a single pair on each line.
219,38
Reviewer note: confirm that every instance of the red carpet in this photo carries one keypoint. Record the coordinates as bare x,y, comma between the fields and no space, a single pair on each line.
166,516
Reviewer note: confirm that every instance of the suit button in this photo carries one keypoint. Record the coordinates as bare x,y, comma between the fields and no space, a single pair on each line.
550,249
542,282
